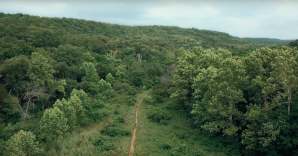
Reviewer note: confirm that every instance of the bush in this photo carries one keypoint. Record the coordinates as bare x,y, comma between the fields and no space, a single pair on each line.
103,145
120,87
165,147
159,93
148,100
113,132
132,91
130,101
119,120
96,115
159,116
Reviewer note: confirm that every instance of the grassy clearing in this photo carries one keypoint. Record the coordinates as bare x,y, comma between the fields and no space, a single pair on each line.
124,144
175,137
112,135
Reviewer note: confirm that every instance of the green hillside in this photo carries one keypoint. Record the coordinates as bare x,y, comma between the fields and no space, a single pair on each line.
294,43
269,41
71,87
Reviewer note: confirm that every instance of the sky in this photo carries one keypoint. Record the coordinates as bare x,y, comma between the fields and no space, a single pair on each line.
240,18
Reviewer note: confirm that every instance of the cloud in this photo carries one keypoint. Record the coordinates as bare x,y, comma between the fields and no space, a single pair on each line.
181,12
40,8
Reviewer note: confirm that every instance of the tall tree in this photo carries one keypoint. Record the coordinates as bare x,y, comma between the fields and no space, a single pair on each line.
272,73
69,112
76,103
90,79
217,93
22,144
53,125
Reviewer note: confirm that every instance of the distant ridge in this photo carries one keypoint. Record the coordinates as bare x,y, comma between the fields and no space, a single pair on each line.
267,40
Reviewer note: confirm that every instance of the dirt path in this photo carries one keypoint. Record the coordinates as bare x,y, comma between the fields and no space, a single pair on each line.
132,147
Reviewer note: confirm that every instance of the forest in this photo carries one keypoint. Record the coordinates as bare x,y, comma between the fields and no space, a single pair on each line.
71,86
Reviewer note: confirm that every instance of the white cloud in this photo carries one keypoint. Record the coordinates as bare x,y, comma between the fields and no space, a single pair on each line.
182,11
40,8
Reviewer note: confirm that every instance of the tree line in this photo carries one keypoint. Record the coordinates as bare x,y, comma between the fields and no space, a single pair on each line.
251,100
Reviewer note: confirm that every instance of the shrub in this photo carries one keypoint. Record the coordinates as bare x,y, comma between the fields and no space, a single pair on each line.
132,91
148,100
159,116
113,132
102,145
119,120
165,147
130,101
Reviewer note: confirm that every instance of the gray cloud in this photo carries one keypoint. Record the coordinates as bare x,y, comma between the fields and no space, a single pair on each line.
245,18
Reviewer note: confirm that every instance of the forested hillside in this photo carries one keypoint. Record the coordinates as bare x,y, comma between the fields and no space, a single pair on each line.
268,41
67,87
294,43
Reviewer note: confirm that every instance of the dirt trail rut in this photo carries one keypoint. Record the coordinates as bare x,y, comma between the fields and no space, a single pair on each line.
132,148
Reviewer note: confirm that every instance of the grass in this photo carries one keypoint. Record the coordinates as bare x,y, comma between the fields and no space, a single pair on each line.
124,144
176,137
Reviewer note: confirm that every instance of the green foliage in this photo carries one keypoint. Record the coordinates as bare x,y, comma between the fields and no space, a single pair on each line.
294,43
137,77
75,144
40,71
160,116
102,144
105,88
221,87
53,125
22,144
132,91
14,73
148,100
110,78
2,146
90,79
114,132
268,41
76,103
250,98
10,106
69,112
131,101
7,132
83,96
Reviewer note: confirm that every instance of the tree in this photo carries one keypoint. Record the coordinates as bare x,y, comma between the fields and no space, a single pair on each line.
148,100
40,71
53,125
110,79
14,74
7,132
217,93
105,88
183,77
69,112
76,103
90,78
83,96
284,73
11,106
42,84
45,37
22,144
272,74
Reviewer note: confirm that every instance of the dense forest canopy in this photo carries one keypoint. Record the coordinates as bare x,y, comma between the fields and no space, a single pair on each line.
58,74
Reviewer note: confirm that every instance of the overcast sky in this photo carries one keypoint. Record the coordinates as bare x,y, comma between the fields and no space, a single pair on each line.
241,18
